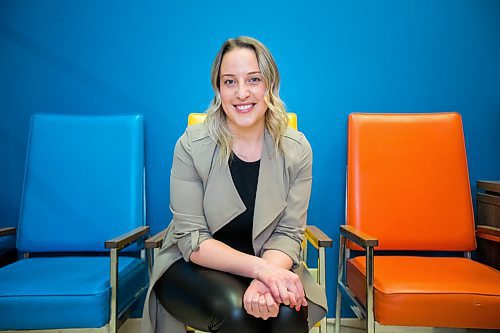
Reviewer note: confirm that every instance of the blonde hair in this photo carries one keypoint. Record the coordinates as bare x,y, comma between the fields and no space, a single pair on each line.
276,119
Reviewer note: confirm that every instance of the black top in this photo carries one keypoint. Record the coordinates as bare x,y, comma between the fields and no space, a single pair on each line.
238,233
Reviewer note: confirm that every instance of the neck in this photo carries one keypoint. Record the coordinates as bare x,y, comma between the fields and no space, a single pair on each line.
247,145
249,136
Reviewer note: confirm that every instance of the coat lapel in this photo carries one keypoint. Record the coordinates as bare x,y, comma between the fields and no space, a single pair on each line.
270,199
222,202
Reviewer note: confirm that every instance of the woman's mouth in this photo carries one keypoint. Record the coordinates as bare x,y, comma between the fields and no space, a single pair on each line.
244,107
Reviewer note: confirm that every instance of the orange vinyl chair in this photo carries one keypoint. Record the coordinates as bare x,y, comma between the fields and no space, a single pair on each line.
313,235
408,190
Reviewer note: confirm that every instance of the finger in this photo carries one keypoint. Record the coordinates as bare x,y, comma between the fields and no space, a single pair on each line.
276,293
247,304
247,300
283,292
293,300
291,287
263,306
301,303
270,300
255,304
300,288
300,291
272,306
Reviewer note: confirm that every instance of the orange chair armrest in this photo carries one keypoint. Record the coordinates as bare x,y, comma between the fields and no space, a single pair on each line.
358,237
7,231
317,237
488,232
156,240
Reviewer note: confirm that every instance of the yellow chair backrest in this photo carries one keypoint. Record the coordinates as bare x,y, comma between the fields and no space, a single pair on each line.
197,118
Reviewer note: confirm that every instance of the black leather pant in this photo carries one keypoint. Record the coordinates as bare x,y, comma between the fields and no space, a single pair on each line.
212,301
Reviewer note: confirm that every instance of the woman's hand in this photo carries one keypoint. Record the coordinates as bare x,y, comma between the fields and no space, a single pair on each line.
258,301
284,285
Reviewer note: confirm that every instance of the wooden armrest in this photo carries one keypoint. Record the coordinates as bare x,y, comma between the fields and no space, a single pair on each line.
7,231
317,237
488,185
358,237
488,232
488,198
156,241
125,240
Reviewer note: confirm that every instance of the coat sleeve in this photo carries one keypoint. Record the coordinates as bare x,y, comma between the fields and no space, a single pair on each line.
289,232
186,200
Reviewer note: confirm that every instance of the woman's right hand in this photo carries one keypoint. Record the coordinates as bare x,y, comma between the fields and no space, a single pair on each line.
285,286
258,301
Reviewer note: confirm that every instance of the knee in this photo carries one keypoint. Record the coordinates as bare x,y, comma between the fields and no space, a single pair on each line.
232,317
290,321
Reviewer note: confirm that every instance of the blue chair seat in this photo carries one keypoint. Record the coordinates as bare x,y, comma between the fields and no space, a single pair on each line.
65,292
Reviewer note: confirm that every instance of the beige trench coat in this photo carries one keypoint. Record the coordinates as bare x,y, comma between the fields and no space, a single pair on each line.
203,199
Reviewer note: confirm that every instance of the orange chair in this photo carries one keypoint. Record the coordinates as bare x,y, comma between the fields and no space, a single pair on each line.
408,190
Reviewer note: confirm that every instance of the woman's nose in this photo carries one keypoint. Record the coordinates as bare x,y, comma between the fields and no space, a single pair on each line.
242,91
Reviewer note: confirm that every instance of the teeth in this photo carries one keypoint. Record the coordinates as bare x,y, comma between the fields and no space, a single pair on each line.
244,107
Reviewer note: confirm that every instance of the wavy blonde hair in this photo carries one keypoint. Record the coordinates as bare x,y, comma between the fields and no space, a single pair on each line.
276,119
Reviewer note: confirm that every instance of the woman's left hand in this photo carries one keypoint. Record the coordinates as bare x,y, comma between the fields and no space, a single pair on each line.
285,286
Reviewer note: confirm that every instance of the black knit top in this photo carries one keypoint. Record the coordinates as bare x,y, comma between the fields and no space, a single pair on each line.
238,232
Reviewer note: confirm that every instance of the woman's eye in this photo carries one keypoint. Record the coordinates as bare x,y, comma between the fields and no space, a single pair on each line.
254,80
229,82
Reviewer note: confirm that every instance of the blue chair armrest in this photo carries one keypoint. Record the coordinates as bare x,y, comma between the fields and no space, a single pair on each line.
7,231
125,240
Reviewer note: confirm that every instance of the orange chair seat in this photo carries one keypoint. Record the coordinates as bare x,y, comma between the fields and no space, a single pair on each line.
438,292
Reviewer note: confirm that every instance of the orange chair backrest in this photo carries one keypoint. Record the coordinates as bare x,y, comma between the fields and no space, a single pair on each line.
408,183
197,118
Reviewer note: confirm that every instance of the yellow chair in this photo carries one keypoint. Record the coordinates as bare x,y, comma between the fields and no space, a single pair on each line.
408,190
314,236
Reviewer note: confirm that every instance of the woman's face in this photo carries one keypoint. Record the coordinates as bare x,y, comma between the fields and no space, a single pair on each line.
242,90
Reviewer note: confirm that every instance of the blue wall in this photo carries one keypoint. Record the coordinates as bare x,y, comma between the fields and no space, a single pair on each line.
335,57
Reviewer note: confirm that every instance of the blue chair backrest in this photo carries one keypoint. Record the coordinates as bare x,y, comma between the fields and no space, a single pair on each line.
83,182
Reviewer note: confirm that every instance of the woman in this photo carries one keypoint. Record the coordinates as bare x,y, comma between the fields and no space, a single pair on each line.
239,191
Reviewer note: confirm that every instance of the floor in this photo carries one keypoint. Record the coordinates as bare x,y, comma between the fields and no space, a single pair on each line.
348,326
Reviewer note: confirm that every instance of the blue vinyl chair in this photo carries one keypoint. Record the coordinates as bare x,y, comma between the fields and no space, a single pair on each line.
82,203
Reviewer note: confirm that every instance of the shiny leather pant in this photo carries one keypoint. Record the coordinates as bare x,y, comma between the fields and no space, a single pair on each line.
212,301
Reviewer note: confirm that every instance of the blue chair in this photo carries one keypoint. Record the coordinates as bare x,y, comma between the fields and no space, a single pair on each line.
82,203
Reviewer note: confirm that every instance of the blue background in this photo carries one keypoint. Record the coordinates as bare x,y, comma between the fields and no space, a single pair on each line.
335,57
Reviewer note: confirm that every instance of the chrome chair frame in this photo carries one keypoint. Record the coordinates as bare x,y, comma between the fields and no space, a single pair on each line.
368,243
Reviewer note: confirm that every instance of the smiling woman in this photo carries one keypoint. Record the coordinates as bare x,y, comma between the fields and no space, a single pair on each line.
242,91
246,82
239,192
